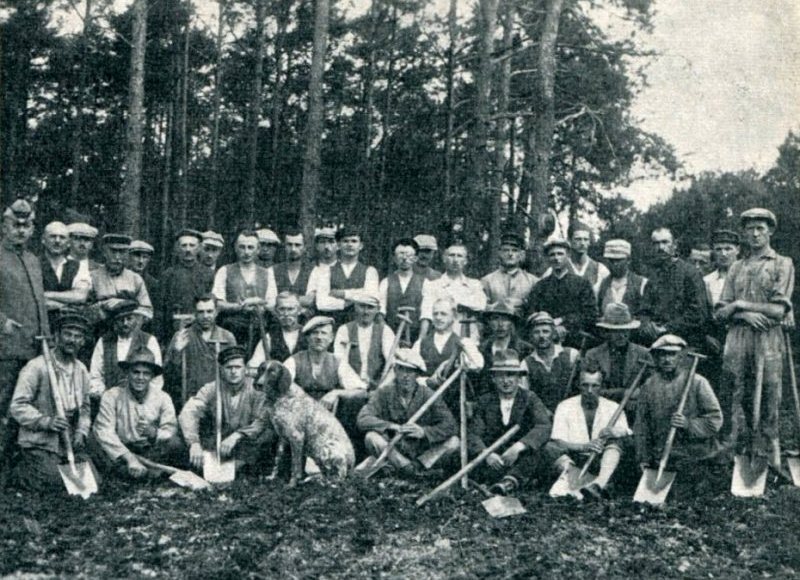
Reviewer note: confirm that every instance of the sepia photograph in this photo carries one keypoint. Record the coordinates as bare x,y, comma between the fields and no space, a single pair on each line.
399,289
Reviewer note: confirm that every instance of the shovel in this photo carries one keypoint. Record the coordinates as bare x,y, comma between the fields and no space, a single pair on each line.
793,461
654,485
499,506
177,476
750,471
214,469
78,478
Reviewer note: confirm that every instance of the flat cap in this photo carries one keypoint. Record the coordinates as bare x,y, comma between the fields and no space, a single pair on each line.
230,353
316,322
212,238
405,357
507,361
556,243
538,318
268,236
56,229
348,231
325,232
426,242
189,232
669,342
366,298
696,254
72,319
83,230
617,249
123,308
725,237
117,241
141,247
759,213
512,239
501,308
20,210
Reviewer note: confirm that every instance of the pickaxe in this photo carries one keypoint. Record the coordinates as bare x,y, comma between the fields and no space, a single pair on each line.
183,320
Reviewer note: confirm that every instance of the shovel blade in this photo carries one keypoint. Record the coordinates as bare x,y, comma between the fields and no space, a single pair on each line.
794,469
570,483
217,471
189,480
80,480
652,489
749,476
503,507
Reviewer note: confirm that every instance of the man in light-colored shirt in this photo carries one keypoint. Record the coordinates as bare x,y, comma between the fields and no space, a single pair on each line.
65,281
366,342
725,245
113,283
510,284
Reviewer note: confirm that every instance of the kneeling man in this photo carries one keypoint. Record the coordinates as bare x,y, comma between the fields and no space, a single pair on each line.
426,442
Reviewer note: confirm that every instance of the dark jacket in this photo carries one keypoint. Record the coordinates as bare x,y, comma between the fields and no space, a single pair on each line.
528,412
22,299
602,356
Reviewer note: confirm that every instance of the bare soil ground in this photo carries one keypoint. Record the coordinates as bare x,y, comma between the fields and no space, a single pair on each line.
373,529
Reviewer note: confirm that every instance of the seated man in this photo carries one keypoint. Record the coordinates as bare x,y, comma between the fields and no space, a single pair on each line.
550,364
656,412
499,411
426,442
197,342
244,415
501,319
115,345
283,339
366,341
618,357
136,419
572,439
33,407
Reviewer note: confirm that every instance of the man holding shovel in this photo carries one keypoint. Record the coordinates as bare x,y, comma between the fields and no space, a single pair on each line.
756,303
137,420
697,425
35,408
426,441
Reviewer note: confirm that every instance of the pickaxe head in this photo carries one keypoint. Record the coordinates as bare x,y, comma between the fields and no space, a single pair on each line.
404,318
407,310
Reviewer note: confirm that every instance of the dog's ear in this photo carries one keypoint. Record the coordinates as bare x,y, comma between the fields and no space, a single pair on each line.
278,377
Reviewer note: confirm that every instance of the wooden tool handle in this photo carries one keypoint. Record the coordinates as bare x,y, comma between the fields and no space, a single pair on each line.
53,379
662,465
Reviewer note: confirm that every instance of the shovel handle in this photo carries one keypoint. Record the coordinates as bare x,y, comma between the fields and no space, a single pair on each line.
662,465
792,376
53,380
153,465
395,344
218,403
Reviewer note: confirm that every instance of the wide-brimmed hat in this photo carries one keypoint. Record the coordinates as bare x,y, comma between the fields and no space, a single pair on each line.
507,361
617,316
142,356
759,213
502,308
669,343
405,357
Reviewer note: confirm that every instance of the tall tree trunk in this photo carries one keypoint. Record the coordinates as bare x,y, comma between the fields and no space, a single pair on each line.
452,28
254,115
80,103
165,187
130,202
314,126
214,191
544,122
278,94
183,159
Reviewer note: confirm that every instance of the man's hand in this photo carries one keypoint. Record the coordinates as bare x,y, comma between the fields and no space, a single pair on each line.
756,320
606,433
146,429
511,454
196,456
644,465
330,399
181,339
412,430
111,304
226,448
494,461
57,424
10,326
595,446
78,441
135,467
679,421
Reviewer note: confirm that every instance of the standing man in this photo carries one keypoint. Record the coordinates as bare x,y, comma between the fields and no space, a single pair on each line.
283,339
566,296
550,364
756,302
466,293
136,420
197,341
725,245
369,339
434,435
113,283
141,254
23,313
115,345
622,285
81,242
402,288
656,412
211,249
510,283
426,254
674,299
182,283
63,282
243,291
244,415
580,238
33,407
337,284
700,258
268,244
292,274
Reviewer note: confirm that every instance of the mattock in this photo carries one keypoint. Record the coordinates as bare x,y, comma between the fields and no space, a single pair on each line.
183,320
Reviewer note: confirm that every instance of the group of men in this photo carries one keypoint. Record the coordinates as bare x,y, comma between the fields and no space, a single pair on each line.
553,354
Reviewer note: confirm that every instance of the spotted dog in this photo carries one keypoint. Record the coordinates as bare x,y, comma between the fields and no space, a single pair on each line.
308,427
